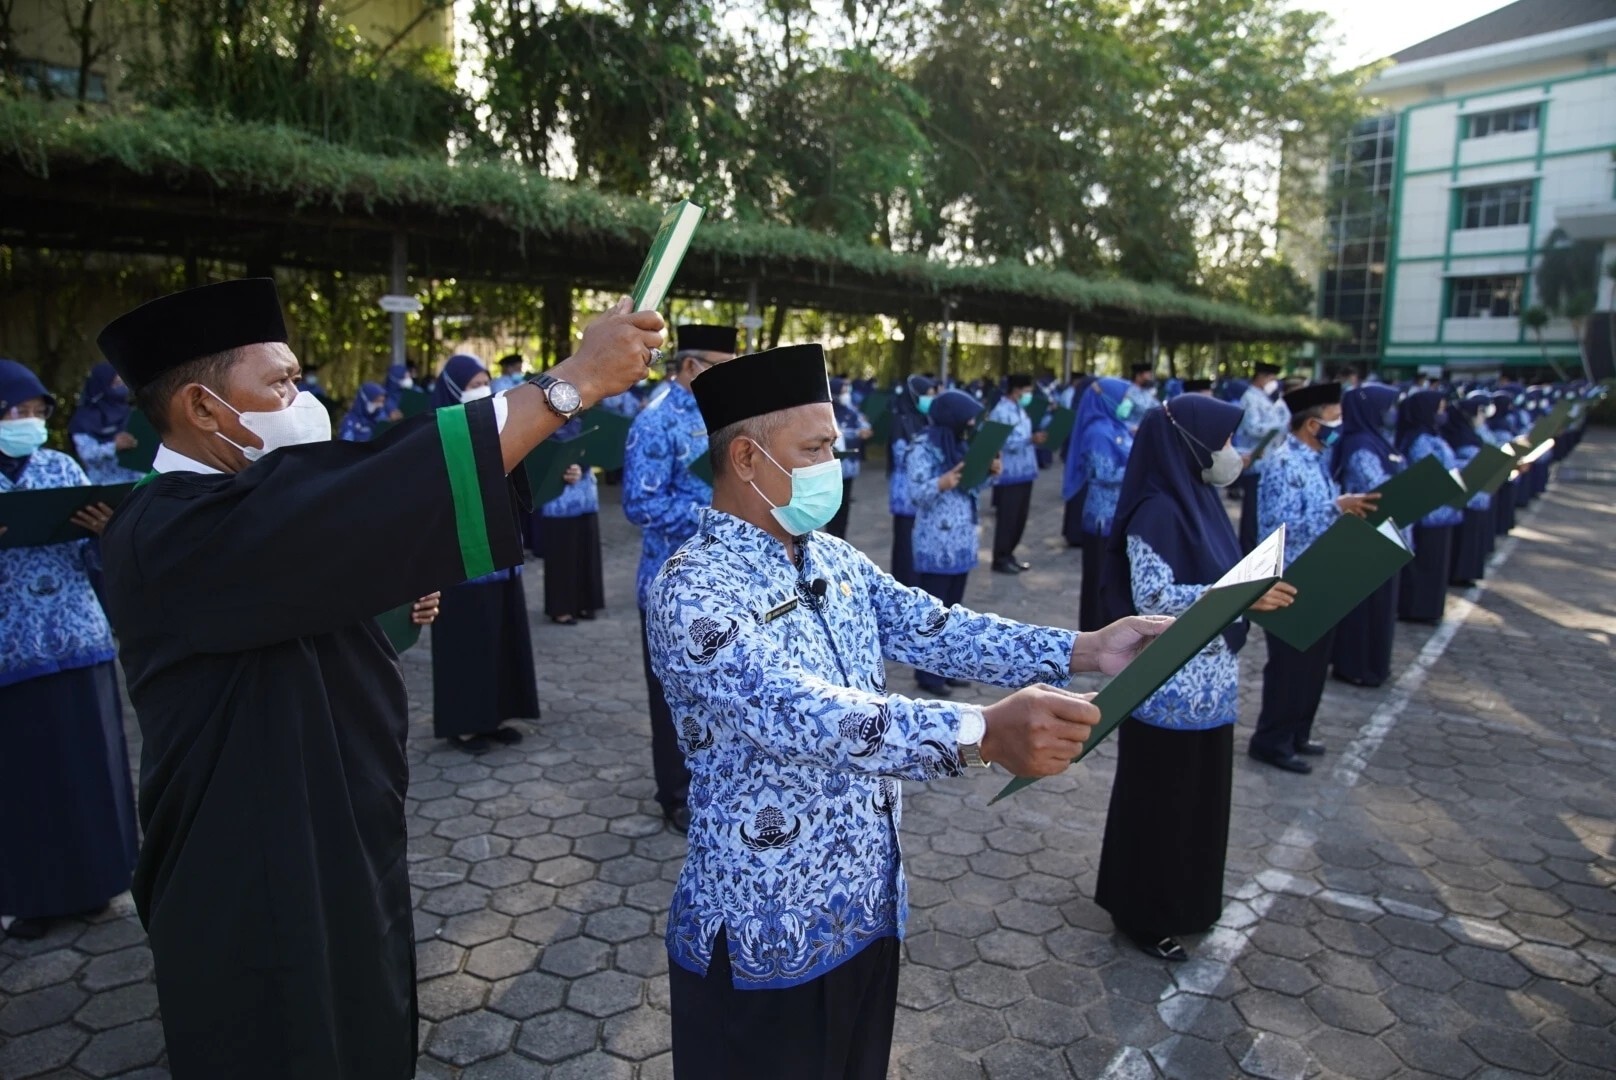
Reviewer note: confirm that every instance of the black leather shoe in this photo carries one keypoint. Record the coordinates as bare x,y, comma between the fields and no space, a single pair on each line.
1288,762
1023,566
1311,749
958,684
1165,949
678,819
1005,566
471,744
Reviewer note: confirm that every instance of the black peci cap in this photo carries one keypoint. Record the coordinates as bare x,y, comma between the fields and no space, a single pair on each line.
175,329
1311,397
701,337
761,383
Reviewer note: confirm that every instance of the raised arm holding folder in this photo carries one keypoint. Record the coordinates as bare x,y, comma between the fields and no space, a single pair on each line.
985,446
1335,574
1415,492
34,518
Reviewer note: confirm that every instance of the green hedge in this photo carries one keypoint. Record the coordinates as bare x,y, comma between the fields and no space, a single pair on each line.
292,167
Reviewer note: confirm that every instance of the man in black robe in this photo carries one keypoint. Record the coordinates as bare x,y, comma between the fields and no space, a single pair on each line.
242,579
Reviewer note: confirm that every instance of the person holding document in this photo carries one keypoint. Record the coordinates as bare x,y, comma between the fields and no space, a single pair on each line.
68,845
243,582
1265,417
1364,460
945,535
97,427
1473,539
665,499
783,937
1167,831
911,400
574,582
1298,492
1423,591
1101,442
1012,486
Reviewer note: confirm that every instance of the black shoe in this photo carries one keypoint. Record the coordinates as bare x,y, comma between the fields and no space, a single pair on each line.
1350,681
678,819
1166,949
935,689
587,616
1005,566
28,929
1022,566
471,744
1288,762
1311,749
506,735
958,684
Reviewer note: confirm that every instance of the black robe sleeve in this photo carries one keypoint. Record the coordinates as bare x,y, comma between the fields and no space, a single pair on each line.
314,538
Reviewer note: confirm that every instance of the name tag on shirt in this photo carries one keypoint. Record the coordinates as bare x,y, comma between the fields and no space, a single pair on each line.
780,609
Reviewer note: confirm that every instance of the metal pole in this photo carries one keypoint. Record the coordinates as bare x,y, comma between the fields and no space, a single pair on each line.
1155,347
753,322
1066,350
400,265
948,332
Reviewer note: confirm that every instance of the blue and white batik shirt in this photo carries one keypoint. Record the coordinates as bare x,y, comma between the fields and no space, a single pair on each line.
660,493
1296,490
794,746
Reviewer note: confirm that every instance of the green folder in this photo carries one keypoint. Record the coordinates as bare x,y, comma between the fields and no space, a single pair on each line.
610,437
1263,444
413,402
1035,412
1415,492
1550,425
138,458
985,446
400,626
1161,660
1335,574
1486,472
668,249
36,518
702,468
877,409
1059,431
569,452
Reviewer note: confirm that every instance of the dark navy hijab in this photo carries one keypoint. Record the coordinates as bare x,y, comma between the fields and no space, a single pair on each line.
1095,429
1166,504
360,423
17,385
951,413
1458,423
907,419
103,409
452,380
1419,414
1362,413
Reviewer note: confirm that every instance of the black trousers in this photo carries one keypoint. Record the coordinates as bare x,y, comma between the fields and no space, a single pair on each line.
950,589
1088,589
903,550
1072,519
1248,511
667,760
837,526
835,1027
1012,502
1292,684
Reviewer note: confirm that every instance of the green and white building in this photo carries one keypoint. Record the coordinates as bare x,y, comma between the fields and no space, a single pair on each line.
1497,133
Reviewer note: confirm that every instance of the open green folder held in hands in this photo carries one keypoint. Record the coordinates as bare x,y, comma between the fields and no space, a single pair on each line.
34,518
400,626
1335,574
545,475
1208,617
1486,472
985,446
667,252
1415,492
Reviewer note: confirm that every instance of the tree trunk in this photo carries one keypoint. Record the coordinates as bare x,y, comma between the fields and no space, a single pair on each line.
777,324
307,31
910,326
1004,349
557,322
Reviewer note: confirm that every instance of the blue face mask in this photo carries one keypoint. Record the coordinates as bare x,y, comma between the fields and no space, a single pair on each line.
20,438
923,404
1125,410
1024,400
118,393
816,495
1329,433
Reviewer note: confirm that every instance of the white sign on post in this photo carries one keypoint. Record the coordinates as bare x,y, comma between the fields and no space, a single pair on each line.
396,304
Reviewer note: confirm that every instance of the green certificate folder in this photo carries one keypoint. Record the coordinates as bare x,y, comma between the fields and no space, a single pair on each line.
36,518
610,437
985,446
400,626
1061,422
667,252
1415,492
1550,425
1035,412
1263,444
702,468
1486,472
414,402
1335,574
877,409
1161,660
549,483
138,458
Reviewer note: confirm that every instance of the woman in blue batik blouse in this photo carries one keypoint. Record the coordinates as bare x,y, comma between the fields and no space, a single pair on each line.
97,427
911,399
1423,590
1161,866
68,846
1365,459
369,408
855,429
1100,444
574,585
945,517
1473,539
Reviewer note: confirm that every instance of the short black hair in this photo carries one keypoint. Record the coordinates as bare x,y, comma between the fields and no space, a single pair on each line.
757,428
1316,412
1019,379
152,399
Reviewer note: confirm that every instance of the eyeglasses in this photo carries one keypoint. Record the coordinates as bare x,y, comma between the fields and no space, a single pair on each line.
42,410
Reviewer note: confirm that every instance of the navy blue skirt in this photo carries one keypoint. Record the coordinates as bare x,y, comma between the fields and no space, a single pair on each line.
66,798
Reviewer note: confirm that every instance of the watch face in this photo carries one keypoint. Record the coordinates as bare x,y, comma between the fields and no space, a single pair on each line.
564,397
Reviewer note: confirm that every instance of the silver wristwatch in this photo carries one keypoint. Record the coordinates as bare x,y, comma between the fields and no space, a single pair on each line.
973,725
562,397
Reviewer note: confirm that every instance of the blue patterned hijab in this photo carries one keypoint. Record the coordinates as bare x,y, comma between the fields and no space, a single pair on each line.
1096,428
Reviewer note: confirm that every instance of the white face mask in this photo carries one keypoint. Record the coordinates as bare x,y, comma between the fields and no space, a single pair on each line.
1225,468
406,382
303,421
475,394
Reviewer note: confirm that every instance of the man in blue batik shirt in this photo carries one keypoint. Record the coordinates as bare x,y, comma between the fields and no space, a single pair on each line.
1298,491
511,374
1265,413
769,640
1012,488
665,499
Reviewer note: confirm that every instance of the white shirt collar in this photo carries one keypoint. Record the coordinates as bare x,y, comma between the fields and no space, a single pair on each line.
167,461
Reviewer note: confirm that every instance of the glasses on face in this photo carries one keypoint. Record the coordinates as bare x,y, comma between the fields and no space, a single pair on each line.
29,410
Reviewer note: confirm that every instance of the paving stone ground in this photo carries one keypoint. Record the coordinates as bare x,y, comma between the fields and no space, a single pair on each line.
1437,901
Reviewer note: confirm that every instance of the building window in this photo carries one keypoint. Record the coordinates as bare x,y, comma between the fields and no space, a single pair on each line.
1496,297
1359,226
1502,121
60,81
1496,205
